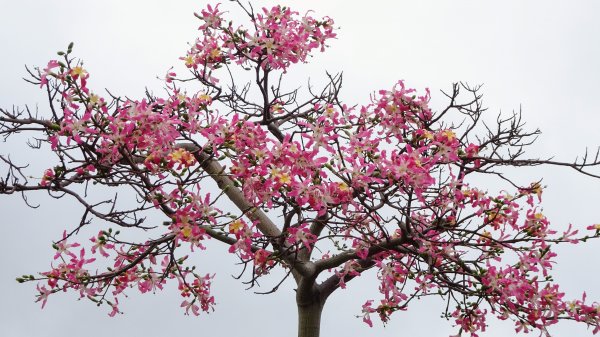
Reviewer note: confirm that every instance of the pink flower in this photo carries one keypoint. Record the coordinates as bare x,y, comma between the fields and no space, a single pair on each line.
43,295
47,71
63,247
211,17
367,309
47,177
100,244
189,305
115,308
262,261
301,234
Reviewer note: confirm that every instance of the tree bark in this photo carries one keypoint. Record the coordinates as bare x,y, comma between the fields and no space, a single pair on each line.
309,319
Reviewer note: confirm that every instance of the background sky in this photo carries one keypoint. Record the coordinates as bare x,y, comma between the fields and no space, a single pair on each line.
540,56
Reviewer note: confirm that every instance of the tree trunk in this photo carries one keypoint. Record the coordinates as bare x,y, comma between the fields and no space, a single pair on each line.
309,319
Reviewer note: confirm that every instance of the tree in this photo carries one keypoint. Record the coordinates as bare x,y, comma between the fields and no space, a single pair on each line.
319,188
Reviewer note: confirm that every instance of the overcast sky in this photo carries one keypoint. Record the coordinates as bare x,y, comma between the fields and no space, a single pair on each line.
540,56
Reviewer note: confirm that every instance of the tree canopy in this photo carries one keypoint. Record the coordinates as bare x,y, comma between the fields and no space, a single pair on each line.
297,180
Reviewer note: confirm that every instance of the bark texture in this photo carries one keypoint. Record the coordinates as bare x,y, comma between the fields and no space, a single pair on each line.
309,319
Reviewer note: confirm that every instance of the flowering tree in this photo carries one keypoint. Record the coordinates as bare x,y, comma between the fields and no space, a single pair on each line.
323,190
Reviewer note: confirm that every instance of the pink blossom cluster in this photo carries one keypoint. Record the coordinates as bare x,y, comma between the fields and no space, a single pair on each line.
280,38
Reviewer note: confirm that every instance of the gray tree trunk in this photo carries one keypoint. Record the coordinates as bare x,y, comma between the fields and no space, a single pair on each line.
309,319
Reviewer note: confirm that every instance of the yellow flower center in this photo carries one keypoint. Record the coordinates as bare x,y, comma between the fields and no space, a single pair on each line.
235,226
189,60
449,134
186,231
78,71
215,53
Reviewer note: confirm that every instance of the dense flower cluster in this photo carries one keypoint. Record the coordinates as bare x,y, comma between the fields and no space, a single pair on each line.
280,39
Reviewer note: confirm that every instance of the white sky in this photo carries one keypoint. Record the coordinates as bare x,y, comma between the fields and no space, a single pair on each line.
540,55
